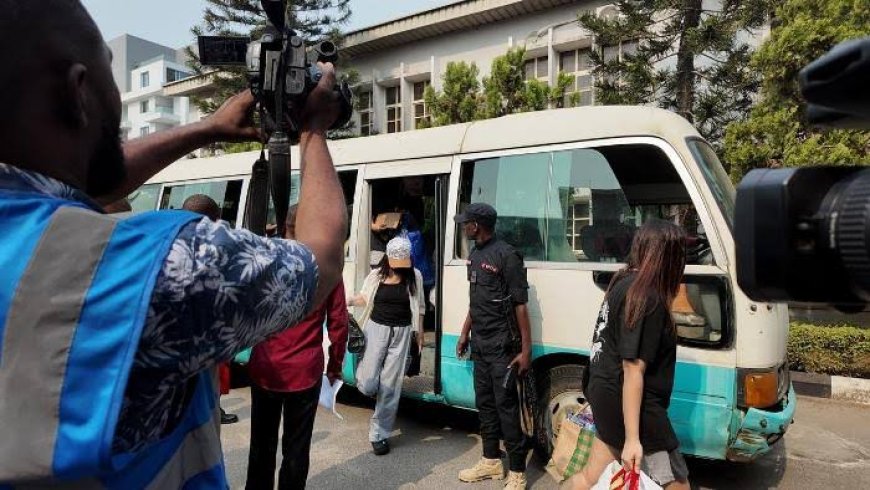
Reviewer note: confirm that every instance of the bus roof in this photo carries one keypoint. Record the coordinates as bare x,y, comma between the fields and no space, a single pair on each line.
515,131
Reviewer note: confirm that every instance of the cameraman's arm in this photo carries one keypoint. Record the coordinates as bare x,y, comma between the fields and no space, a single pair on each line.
146,156
321,219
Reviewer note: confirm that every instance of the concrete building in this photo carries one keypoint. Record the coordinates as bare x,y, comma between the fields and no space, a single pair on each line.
141,69
397,60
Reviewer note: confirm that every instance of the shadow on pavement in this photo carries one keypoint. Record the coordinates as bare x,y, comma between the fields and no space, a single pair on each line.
767,472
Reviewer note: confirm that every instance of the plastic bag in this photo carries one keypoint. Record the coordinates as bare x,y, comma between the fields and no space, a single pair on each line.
616,478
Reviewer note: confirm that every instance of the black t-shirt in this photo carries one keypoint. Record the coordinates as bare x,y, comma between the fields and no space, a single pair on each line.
392,306
498,283
652,340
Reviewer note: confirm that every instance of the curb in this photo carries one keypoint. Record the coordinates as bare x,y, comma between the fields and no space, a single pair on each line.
855,390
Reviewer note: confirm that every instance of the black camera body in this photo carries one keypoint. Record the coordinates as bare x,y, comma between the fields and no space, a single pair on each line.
803,234
281,66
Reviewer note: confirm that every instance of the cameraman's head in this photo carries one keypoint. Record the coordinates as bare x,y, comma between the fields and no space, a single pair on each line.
61,108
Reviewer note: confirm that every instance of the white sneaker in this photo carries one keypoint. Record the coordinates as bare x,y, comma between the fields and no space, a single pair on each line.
485,469
516,481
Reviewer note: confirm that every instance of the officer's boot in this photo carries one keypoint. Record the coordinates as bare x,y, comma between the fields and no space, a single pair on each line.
516,481
485,469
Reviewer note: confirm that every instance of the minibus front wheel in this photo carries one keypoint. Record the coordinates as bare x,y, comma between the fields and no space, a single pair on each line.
560,392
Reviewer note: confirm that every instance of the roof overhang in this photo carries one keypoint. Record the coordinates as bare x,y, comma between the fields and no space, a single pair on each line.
467,14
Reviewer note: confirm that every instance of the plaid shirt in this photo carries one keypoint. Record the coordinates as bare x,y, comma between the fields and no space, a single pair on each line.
219,291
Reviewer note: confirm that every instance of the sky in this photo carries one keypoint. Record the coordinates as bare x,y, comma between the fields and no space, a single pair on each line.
168,22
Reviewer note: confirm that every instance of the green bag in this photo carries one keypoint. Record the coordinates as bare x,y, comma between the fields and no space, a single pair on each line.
243,357
582,451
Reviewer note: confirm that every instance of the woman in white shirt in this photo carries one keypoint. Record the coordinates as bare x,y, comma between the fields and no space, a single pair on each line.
394,307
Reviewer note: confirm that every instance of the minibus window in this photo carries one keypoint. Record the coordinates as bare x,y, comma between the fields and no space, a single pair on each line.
144,198
580,205
348,185
226,194
716,177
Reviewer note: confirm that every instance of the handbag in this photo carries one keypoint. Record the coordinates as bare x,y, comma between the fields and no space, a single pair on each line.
356,338
412,366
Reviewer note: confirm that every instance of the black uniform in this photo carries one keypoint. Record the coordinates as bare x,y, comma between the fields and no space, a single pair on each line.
496,274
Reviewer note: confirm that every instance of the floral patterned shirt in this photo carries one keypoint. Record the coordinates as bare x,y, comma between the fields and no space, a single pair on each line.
219,291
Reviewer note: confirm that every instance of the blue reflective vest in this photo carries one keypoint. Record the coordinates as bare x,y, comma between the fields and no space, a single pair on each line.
75,287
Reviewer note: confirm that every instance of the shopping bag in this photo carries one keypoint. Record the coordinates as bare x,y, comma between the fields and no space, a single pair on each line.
573,447
616,478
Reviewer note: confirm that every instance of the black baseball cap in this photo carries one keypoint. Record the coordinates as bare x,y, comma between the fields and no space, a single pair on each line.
478,212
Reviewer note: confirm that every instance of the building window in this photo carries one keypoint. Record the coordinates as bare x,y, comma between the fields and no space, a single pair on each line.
618,52
173,75
144,106
164,105
421,112
394,109
577,63
144,79
538,68
144,131
366,119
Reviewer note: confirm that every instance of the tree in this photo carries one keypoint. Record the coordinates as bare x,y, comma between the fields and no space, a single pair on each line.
777,133
314,20
680,55
460,98
506,90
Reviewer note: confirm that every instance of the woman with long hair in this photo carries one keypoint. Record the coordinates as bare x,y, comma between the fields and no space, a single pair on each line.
394,307
632,360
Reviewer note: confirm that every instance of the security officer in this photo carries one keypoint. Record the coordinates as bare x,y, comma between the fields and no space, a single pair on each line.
498,289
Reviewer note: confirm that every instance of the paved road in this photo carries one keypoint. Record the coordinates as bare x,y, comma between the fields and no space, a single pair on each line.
827,447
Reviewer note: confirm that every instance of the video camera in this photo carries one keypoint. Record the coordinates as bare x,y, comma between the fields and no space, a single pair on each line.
803,234
282,71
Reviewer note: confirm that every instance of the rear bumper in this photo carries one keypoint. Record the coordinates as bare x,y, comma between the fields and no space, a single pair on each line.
760,430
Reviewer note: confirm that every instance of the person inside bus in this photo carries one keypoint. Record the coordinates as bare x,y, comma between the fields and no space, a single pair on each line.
394,307
631,364
206,206
497,314
142,309
286,373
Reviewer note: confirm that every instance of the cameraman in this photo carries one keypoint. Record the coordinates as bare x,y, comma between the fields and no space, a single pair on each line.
109,328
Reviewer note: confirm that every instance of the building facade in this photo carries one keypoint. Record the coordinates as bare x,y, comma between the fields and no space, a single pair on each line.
142,69
397,60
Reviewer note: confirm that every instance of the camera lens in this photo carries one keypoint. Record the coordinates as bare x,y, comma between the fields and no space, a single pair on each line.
848,220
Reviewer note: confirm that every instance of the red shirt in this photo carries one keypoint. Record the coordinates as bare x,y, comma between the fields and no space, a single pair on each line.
293,359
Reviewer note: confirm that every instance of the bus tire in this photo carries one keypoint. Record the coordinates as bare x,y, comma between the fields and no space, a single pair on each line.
559,390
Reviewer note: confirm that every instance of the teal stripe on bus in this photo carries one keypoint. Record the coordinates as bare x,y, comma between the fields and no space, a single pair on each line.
702,404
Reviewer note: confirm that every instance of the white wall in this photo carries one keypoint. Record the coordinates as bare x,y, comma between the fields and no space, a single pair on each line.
543,34
136,119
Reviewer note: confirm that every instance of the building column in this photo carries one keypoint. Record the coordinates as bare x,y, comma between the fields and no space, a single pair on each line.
379,106
552,59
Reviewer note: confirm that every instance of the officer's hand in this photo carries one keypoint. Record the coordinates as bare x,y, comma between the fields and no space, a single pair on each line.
461,346
322,107
522,363
234,121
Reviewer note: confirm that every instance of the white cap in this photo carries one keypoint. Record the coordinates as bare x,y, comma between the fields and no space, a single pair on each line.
399,253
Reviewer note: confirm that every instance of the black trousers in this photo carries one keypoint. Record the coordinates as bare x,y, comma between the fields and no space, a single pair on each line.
299,410
499,410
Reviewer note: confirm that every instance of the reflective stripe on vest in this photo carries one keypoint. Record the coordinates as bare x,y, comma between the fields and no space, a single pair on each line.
70,321
39,330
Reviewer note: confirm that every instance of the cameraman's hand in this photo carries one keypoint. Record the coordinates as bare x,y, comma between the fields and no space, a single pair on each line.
322,107
234,120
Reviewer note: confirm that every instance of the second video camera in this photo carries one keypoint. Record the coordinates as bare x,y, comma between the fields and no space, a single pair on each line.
803,234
